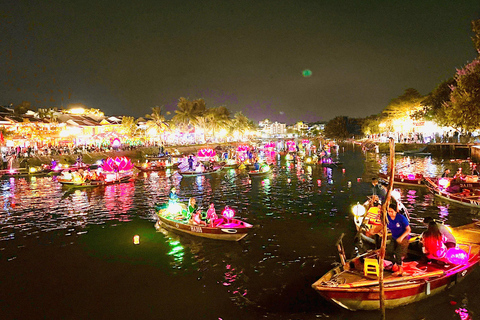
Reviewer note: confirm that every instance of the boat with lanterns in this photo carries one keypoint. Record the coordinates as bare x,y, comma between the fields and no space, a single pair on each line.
156,165
411,179
110,171
262,171
461,192
201,171
354,284
227,227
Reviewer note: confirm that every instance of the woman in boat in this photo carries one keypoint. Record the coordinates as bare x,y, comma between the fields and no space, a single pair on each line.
400,228
446,173
192,208
434,243
211,215
437,230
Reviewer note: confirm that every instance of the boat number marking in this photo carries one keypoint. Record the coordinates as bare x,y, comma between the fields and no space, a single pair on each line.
464,272
176,225
196,229
475,202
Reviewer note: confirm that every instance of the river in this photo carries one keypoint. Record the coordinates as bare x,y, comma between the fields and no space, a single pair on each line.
69,254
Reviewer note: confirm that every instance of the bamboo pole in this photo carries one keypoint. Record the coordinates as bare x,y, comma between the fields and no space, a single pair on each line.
384,222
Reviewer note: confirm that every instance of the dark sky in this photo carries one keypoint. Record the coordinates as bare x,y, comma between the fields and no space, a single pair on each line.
125,57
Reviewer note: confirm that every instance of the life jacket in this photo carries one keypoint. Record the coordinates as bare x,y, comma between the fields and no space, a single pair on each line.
373,216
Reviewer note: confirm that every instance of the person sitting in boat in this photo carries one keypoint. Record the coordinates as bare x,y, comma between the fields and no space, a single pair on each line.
450,242
192,208
172,197
446,173
378,190
197,219
67,175
211,215
435,242
458,175
475,171
200,168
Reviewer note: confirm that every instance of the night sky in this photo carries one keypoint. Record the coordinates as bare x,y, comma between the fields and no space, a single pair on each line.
125,57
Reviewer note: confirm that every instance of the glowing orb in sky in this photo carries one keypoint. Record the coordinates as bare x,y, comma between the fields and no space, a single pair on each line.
307,73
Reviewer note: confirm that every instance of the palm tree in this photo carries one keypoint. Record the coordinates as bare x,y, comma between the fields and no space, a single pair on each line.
129,126
188,113
158,121
217,119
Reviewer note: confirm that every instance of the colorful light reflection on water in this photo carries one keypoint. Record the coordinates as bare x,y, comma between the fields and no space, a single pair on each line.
298,213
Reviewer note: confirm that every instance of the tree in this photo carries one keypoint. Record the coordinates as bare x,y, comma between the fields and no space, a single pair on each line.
433,104
217,118
129,126
342,128
463,109
22,108
241,123
371,125
476,36
188,112
157,121
404,105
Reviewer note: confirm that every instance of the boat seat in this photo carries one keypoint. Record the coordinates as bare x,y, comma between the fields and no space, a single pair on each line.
370,266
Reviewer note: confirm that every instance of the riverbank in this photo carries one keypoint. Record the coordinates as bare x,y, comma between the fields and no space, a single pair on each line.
137,155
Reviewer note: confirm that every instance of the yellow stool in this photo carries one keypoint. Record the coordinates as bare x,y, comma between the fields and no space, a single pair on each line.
370,266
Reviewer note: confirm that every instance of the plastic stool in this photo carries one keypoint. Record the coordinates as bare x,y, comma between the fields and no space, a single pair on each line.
370,266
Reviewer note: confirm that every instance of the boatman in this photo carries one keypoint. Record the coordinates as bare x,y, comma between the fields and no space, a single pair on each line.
378,190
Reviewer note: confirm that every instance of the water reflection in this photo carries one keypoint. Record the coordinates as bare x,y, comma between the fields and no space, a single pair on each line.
298,211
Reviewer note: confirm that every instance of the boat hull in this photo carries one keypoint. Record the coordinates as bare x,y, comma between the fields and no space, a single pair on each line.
472,201
368,298
204,173
217,233
399,180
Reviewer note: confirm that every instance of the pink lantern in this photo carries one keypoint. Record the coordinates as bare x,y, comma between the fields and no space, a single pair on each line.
228,212
457,256
411,177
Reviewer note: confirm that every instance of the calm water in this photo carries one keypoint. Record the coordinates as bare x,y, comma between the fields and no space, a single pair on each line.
70,254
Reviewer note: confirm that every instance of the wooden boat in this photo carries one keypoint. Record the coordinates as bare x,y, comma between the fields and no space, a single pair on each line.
329,163
154,166
25,173
261,172
417,152
200,173
112,171
106,180
348,286
223,229
405,180
460,193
